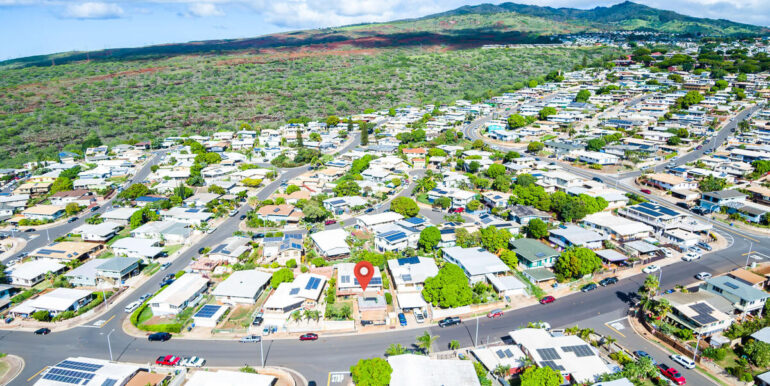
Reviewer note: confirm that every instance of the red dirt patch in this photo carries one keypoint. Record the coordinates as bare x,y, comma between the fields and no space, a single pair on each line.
127,73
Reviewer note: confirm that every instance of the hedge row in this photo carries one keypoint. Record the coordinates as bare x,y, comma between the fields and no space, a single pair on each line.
170,327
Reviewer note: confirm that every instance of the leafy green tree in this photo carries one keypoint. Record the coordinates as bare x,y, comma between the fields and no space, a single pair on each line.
430,237
134,191
674,141
595,144
575,263
582,96
443,202
758,352
546,112
495,170
71,173
292,188
424,184
511,155
216,189
536,229
494,239
502,183
371,372
474,205
347,188
364,136
541,376
314,213
449,288
395,349
143,216
282,275
525,180
712,184
535,147
61,184
510,259
41,316
71,208
516,121
404,206
332,121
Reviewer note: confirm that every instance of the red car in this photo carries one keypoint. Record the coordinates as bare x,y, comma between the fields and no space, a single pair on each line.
547,299
330,222
646,191
310,336
672,374
457,210
495,313
168,360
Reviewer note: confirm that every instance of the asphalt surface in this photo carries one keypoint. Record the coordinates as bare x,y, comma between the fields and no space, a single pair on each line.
316,359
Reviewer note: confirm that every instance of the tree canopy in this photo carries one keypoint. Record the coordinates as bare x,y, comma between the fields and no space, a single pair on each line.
448,289
575,263
371,372
430,237
536,229
404,206
541,376
282,275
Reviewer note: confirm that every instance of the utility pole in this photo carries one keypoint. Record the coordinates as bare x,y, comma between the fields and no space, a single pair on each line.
109,346
748,255
261,352
695,353
476,341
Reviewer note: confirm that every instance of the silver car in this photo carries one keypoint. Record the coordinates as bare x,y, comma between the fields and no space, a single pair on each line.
251,338
703,276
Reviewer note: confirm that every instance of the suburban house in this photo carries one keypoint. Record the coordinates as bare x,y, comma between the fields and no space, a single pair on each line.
80,197
460,198
120,216
282,249
85,274
170,232
178,295
242,287
30,273
117,269
340,205
409,274
230,249
495,199
572,235
703,312
618,228
745,298
714,201
476,262
44,212
522,214
747,277
67,250
368,221
667,181
576,360
100,233
412,369
55,302
331,244
395,237
304,291
533,254
347,283
279,213
595,157
192,216
145,249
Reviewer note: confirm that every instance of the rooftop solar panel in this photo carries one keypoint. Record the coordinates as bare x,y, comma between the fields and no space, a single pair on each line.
582,350
552,365
548,353
294,291
500,354
409,260
207,311
731,285
110,382
80,366
406,277
704,319
312,283
508,353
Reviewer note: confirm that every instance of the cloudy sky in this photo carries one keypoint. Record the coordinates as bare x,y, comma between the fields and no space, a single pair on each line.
32,27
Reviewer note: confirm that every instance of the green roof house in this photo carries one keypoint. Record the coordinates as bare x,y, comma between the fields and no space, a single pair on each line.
534,254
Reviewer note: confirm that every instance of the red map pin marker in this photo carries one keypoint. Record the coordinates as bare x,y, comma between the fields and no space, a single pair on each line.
364,271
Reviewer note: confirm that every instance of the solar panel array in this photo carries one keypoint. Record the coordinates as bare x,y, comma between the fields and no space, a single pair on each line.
731,285
548,354
345,279
313,283
409,260
582,350
207,311
406,277
110,382
704,313
294,291
80,366
504,354
552,365
73,372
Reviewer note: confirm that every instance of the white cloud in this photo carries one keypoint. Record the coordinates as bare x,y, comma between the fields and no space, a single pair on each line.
204,10
93,10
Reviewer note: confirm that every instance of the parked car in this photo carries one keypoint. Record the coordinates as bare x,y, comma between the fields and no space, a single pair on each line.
667,252
159,337
330,222
168,360
704,246
257,321
132,306
449,321
201,250
597,179
495,313
369,210
703,276
457,210
672,374
193,362
402,319
243,217
258,236
144,297
94,209
165,266
588,287
646,191
685,362
29,230
651,268
418,317
683,205
547,299
308,336
691,256
8,319
643,354
608,281
233,212
43,331
72,219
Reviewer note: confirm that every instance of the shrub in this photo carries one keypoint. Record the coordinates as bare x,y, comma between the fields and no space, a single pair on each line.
291,263
42,316
716,354
388,298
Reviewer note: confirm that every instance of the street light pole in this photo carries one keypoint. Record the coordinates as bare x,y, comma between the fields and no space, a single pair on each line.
695,353
109,346
47,235
476,341
261,353
748,255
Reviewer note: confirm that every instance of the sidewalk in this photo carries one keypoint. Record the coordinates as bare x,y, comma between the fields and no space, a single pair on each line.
15,366
17,244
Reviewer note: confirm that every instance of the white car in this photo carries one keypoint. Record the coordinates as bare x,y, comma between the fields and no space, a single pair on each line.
233,212
651,268
193,362
685,362
703,276
690,256
667,252
418,317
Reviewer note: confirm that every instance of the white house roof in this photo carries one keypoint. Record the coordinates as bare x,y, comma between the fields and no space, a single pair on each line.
102,229
620,225
331,242
181,290
412,270
123,214
476,261
577,235
410,369
370,220
142,247
243,284
306,286
58,300
222,377
35,268
506,355
411,300
97,371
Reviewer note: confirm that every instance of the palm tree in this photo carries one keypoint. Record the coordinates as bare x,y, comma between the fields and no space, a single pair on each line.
572,330
608,340
395,349
502,371
584,333
425,342
454,344
296,316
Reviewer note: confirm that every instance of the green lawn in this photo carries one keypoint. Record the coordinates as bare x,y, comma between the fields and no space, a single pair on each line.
170,249
145,315
4,367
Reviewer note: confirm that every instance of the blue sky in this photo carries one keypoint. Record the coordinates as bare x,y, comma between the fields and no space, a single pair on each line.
33,27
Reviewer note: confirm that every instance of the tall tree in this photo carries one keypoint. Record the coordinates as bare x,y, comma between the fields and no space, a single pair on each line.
371,372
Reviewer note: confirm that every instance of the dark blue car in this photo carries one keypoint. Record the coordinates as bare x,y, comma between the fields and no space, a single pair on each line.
402,319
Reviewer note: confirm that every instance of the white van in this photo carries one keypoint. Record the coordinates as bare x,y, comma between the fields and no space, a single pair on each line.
133,306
